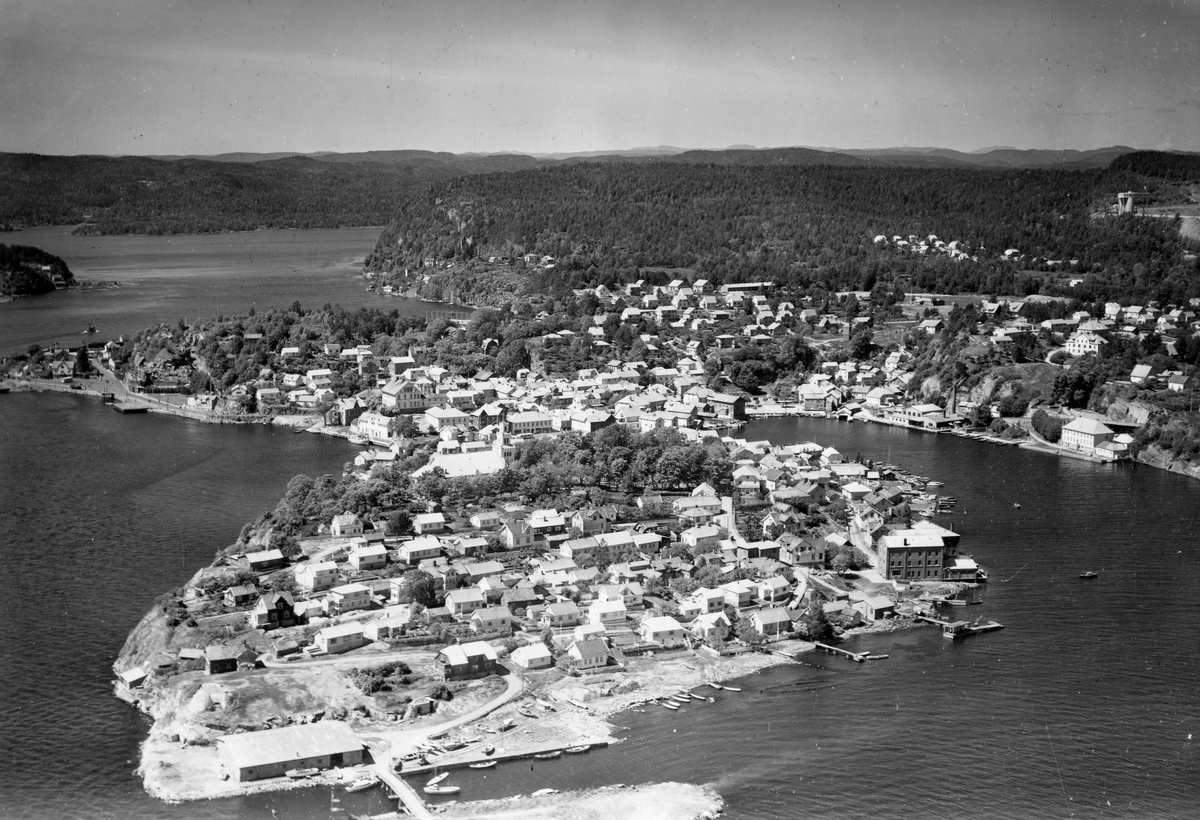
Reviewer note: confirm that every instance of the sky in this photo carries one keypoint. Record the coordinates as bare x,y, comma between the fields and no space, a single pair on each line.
201,77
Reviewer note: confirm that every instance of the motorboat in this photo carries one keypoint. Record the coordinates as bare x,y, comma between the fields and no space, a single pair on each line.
1089,574
440,789
489,749
298,774
715,685
363,783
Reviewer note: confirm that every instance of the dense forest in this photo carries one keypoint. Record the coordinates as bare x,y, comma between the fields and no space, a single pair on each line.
138,195
805,226
28,271
1160,164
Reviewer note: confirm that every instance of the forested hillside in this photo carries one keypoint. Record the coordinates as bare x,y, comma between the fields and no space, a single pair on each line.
140,195
803,226
28,271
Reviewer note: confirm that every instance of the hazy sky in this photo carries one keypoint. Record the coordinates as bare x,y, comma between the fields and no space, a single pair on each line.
138,77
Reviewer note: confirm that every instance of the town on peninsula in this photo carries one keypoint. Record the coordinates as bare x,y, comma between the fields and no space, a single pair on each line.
554,516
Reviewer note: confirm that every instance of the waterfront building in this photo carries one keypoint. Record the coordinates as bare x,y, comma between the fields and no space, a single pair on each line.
272,752
1085,434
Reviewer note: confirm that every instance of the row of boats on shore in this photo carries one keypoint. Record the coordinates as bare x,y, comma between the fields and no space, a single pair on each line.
684,697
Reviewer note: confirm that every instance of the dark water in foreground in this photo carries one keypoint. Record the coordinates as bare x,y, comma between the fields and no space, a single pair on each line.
1082,706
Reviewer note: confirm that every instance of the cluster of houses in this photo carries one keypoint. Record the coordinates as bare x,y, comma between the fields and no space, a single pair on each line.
584,574
931,246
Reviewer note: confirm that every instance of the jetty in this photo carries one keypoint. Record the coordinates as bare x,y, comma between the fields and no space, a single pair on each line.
130,407
464,758
959,629
857,657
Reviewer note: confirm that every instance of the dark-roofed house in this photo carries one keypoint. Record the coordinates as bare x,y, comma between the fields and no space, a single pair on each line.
476,659
221,659
275,610
241,595
272,752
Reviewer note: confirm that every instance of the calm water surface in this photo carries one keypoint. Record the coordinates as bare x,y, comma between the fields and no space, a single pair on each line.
167,278
1082,706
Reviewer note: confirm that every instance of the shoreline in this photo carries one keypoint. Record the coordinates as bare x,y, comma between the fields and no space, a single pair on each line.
318,424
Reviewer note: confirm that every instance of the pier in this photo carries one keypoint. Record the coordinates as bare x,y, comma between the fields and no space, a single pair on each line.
959,629
857,657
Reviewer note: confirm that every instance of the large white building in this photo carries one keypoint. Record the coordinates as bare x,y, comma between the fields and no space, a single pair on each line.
1085,434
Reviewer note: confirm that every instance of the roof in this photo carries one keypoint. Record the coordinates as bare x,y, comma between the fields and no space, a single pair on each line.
1090,427
589,648
773,615
341,630
662,623
460,654
289,743
533,651
491,613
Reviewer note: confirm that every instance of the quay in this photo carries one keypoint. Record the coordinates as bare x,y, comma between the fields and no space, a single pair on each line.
130,407
959,629
857,657
464,761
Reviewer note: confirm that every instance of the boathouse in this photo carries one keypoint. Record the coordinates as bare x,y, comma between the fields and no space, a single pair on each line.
272,752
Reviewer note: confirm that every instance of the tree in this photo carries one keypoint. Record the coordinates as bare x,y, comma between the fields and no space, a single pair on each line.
816,623
83,365
418,587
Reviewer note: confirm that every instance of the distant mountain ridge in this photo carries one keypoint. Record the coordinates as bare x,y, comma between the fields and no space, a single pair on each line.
911,156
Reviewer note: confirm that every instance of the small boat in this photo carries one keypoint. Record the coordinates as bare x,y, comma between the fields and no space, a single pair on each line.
297,774
545,704
671,706
549,755
362,784
507,724
439,789
926,513
433,781
712,700
577,750
715,685
1089,574
486,764
411,756
733,688
934,484
489,749
544,792
1016,506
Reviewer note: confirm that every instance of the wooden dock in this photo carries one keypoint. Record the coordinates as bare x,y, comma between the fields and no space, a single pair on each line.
959,629
857,657
407,794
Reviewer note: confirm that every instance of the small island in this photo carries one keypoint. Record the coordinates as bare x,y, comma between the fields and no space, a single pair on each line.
29,271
